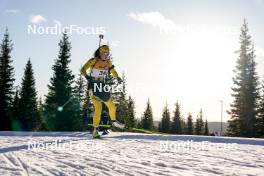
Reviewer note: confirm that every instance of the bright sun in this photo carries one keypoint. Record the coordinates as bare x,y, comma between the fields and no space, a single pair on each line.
198,59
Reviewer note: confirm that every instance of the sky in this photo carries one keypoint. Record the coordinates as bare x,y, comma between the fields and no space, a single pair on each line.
169,50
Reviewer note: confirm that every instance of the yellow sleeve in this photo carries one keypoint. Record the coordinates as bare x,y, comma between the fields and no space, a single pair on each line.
112,70
87,65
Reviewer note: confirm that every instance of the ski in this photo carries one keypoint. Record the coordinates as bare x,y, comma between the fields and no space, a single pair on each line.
103,126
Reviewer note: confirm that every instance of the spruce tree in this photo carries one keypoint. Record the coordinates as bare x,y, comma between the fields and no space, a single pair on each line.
29,117
15,112
131,119
122,110
183,125
165,121
42,125
159,127
260,120
245,90
199,125
122,103
206,130
62,109
189,129
6,83
147,118
81,91
176,126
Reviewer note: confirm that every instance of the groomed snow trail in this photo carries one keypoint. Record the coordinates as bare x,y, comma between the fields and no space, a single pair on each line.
76,153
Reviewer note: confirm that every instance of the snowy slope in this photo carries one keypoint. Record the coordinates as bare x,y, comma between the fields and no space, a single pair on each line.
75,153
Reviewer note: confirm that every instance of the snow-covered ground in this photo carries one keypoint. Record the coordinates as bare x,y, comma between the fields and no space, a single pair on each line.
75,153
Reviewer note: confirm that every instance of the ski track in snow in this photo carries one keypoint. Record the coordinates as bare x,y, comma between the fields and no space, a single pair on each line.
127,154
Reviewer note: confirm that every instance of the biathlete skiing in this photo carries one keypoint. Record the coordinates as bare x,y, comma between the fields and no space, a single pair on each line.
99,67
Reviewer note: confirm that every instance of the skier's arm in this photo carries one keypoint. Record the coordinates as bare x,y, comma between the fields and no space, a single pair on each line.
112,70
87,65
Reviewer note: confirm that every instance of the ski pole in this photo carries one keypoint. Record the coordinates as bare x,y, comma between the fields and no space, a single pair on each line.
60,108
101,36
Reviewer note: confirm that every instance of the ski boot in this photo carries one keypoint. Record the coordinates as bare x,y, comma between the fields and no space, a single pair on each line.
96,134
117,124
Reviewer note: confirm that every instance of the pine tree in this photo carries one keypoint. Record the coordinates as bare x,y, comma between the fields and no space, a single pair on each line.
29,117
159,127
122,110
199,125
245,90
189,129
122,103
206,130
165,121
42,126
62,109
131,118
15,112
176,127
80,89
147,118
6,83
138,123
260,120
82,93
183,125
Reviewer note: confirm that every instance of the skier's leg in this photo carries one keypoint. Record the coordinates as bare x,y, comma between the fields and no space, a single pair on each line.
111,108
112,113
97,111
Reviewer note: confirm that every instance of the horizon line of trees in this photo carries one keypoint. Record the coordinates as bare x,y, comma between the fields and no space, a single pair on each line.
176,125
